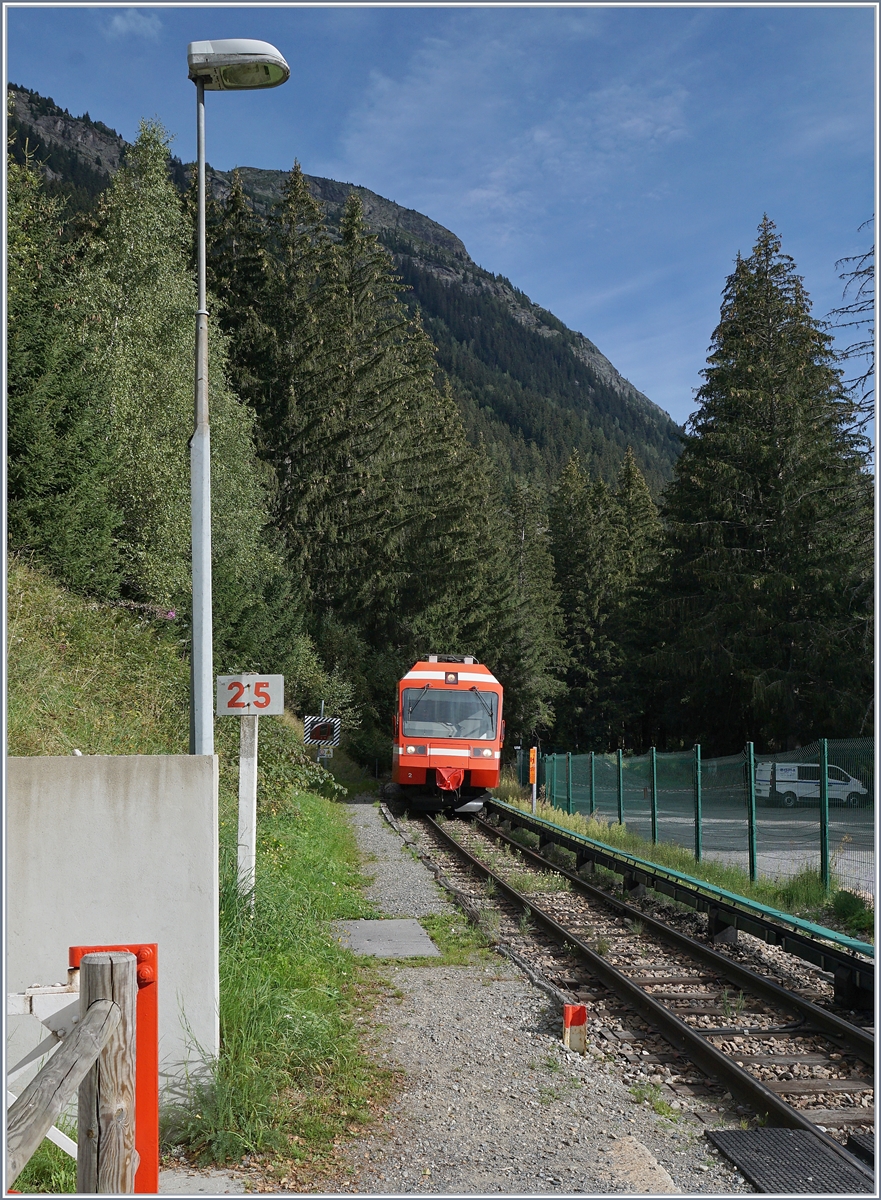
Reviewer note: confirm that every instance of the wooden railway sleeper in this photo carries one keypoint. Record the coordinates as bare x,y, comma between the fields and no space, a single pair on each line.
860,1041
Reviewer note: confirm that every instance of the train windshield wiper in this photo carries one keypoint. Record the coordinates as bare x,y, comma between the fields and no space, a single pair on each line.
417,701
486,707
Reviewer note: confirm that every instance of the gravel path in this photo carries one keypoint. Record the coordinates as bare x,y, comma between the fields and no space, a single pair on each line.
492,1101
401,886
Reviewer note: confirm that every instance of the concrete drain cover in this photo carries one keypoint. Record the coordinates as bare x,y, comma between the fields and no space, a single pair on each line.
790,1162
386,939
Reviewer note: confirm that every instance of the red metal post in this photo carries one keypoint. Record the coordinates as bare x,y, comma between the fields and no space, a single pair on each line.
147,1060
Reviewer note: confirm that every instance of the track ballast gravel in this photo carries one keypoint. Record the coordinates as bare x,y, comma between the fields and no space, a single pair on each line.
491,1101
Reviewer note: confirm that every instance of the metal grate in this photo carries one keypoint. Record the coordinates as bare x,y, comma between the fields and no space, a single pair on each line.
791,1162
863,1146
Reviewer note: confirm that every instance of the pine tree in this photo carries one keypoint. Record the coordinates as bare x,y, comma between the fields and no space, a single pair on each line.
631,617
766,574
239,279
641,524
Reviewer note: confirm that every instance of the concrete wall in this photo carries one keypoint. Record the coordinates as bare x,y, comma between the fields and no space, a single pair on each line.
110,850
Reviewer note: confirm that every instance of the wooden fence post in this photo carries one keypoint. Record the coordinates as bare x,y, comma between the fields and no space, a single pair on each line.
106,1156
47,1095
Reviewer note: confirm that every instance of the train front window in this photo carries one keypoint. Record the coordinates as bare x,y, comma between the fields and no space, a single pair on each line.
436,713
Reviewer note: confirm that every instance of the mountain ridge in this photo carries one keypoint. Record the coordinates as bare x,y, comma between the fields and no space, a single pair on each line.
530,387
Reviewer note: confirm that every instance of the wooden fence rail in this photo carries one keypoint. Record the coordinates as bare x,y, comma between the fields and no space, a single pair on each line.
98,1058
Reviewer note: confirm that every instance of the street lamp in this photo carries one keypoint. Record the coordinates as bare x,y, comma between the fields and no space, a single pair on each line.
234,64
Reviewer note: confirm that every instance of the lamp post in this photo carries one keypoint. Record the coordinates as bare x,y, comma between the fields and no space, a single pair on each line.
231,65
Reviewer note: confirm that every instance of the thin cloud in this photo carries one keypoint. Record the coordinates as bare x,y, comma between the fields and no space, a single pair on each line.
473,104
135,23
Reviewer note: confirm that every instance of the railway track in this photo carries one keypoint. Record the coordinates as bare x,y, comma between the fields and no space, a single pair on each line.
691,1026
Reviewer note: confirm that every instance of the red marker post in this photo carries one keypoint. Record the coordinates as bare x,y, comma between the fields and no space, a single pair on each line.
533,774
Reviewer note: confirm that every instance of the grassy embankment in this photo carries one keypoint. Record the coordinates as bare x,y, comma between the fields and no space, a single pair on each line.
803,895
294,1076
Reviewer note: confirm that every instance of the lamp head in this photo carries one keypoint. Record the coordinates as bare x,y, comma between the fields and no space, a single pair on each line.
235,64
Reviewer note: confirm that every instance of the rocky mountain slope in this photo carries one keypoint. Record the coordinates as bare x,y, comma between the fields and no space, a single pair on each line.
531,388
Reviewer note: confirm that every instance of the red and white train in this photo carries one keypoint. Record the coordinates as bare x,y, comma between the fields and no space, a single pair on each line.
448,735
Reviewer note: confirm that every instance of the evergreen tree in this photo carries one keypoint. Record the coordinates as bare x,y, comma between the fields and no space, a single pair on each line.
631,620
137,300
766,574
536,653
858,313
586,526
239,279
641,524
58,467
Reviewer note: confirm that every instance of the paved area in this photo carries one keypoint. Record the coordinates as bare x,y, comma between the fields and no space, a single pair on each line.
386,939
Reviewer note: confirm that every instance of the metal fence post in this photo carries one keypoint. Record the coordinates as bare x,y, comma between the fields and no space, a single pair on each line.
554,784
654,761
592,801
569,783
698,831
824,812
620,787
751,807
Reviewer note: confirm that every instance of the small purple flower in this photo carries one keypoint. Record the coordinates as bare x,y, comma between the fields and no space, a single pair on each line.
170,615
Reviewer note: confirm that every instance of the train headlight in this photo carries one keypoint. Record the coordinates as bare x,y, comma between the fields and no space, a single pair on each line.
417,749
481,752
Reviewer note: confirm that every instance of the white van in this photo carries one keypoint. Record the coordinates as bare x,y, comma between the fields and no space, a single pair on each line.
799,783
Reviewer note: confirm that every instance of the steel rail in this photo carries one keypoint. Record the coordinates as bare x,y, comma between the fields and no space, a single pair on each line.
712,1061
857,1039
698,896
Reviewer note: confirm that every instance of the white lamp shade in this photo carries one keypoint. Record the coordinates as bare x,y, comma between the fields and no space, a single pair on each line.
235,64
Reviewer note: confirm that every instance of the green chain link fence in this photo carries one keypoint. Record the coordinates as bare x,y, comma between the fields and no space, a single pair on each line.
771,814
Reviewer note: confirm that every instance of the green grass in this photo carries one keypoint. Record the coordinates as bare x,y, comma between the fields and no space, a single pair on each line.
89,676
854,912
50,1170
537,882
802,895
650,1093
459,942
353,777
294,1074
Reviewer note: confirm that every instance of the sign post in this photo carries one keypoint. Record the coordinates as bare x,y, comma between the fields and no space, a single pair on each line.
533,774
246,697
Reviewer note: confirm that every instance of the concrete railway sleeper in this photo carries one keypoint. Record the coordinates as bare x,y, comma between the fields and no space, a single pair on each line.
725,1066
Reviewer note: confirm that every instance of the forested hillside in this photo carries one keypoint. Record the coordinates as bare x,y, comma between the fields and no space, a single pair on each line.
370,506
527,387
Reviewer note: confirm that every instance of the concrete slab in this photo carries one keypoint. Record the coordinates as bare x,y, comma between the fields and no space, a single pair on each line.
201,1183
386,939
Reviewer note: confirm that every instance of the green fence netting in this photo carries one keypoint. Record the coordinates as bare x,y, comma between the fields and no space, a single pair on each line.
774,818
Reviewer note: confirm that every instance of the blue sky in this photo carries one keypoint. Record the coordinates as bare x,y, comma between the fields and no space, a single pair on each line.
611,161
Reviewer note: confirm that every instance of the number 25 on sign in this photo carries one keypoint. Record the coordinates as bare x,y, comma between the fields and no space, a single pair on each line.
250,695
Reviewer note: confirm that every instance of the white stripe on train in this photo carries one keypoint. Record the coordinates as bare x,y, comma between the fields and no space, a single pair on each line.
468,676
